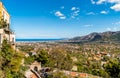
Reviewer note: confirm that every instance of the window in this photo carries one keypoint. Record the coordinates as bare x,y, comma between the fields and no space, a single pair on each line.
36,68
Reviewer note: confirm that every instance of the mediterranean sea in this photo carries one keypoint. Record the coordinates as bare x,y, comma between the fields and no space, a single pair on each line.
38,40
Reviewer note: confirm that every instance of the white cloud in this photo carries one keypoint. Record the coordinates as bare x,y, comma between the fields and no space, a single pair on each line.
114,1
64,17
92,1
108,1
73,8
60,15
116,7
104,12
90,13
75,12
109,29
101,1
112,29
88,25
116,4
116,23
115,26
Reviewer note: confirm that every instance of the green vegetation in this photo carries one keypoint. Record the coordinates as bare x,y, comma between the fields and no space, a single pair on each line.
113,68
10,62
87,62
58,74
96,59
3,24
55,59
60,59
42,56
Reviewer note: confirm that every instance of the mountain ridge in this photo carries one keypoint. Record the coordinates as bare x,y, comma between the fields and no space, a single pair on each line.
108,36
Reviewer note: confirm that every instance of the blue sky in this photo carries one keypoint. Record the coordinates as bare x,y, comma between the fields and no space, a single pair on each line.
62,18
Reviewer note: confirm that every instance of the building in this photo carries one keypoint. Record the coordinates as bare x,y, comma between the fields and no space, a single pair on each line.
34,70
5,31
3,13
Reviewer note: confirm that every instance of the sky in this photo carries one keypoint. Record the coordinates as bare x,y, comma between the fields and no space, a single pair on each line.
62,18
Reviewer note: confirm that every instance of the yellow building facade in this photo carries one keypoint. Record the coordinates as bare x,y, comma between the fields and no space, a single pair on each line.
4,14
6,32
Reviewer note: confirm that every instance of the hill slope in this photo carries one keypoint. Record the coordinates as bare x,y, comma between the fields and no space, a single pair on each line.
95,37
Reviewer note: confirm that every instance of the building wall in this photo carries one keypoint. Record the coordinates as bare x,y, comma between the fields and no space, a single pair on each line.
12,38
9,35
6,33
4,14
35,64
1,36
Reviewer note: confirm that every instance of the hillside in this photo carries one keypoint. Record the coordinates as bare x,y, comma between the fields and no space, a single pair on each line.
108,36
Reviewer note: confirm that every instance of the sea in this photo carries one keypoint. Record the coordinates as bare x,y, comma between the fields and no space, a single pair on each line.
38,40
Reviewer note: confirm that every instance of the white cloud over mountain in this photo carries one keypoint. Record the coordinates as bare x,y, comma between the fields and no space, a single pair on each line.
115,26
112,29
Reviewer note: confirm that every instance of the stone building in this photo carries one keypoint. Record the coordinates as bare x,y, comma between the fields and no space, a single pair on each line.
34,70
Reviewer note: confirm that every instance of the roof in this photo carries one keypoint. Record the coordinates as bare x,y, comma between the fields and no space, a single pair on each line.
35,63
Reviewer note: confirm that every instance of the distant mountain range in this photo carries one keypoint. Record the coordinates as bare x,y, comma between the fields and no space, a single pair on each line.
108,36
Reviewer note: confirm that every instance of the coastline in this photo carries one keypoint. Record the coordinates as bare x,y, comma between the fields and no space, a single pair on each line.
38,40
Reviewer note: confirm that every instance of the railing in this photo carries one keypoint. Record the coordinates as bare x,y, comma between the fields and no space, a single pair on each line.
35,73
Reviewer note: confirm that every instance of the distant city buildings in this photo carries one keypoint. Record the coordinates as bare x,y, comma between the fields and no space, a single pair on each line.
5,31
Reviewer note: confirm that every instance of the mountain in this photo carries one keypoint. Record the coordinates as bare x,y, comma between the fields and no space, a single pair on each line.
108,36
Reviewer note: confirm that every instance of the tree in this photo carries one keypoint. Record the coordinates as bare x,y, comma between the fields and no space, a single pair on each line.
42,56
113,67
29,60
11,61
67,63
60,59
100,72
